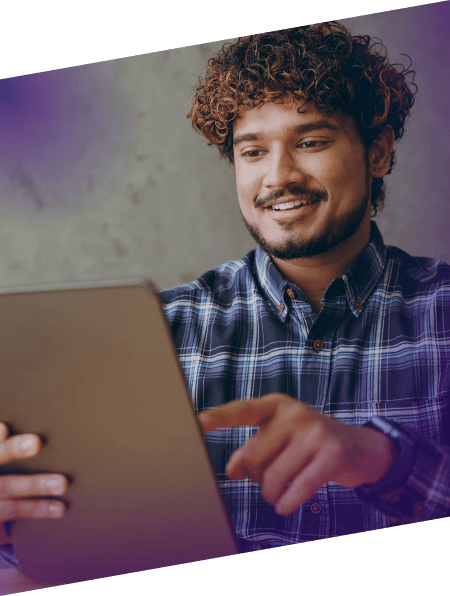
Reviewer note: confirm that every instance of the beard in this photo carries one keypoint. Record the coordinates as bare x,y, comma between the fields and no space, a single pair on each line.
339,229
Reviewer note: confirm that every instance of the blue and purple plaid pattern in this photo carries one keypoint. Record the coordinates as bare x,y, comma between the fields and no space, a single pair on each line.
385,328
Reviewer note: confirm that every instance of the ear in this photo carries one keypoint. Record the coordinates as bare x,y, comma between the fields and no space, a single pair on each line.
380,153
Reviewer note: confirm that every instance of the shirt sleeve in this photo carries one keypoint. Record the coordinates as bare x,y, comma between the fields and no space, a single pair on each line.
8,558
426,493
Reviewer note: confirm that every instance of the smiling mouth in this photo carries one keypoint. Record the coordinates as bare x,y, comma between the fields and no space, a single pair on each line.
297,204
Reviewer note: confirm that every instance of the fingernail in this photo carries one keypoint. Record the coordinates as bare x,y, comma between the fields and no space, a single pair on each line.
56,510
28,445
55,484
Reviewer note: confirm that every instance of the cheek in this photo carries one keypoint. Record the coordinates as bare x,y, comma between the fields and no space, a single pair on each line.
345,177
246,186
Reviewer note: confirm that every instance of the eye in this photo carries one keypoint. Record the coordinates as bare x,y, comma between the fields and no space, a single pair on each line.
247,154
311,145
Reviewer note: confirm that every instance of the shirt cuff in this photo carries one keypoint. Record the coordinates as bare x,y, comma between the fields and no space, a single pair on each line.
425,491
405,448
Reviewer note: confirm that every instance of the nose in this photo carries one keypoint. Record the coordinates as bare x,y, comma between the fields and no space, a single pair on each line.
283,168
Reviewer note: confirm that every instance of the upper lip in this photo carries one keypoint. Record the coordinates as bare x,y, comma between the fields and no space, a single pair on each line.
283,200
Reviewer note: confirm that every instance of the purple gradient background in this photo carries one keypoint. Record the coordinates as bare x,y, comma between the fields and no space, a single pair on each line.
56,125
417,213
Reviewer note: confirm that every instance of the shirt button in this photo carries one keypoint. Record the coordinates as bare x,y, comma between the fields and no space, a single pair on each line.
281,306
290,293
418,508
318,345
316,508
357,305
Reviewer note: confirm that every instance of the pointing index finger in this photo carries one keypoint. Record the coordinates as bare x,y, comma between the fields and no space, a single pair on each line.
253,412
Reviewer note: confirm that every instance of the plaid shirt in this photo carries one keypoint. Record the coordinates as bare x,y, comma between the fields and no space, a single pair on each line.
385,328
242,331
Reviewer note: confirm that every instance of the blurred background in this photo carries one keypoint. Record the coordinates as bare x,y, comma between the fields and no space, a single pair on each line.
101,175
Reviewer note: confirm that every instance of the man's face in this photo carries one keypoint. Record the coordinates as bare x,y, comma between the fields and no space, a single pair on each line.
302,179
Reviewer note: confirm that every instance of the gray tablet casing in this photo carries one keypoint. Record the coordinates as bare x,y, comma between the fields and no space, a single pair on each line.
91,368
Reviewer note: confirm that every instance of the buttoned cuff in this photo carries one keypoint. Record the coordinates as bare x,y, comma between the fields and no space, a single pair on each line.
405,448
425,492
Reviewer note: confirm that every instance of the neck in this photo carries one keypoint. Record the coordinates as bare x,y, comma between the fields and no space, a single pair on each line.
313,275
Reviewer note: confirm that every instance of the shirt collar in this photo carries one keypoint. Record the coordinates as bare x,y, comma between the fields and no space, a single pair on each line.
357,283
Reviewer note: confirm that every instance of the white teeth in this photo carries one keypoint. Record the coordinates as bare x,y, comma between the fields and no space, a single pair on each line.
291,205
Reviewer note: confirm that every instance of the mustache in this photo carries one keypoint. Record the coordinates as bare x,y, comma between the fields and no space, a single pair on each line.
307,193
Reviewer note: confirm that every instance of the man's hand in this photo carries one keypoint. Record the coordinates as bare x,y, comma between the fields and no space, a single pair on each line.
17,493
298,450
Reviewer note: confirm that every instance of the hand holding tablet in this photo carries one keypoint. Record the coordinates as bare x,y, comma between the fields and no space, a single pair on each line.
23,496
90,370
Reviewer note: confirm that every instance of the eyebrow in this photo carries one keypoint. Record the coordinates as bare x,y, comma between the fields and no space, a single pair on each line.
300,128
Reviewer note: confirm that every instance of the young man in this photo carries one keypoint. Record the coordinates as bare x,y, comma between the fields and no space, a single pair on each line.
318,362
344,341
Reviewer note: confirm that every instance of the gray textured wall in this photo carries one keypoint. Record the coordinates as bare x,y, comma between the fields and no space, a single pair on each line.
123,186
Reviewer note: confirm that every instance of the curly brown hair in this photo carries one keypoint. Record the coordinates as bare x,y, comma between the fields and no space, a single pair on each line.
321,64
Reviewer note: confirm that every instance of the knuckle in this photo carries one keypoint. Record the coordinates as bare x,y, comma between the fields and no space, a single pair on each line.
8,510
43,486
4,486
40,508
252,458
16,486
30,508
339,453
337,446
292,410
318,429
336,450
22,485
271,475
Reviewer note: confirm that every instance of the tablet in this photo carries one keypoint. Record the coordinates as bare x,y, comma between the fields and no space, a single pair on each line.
92,369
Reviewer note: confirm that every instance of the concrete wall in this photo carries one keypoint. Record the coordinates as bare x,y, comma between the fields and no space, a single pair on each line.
101,175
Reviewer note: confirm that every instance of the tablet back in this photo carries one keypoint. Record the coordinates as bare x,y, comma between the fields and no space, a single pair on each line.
93,371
